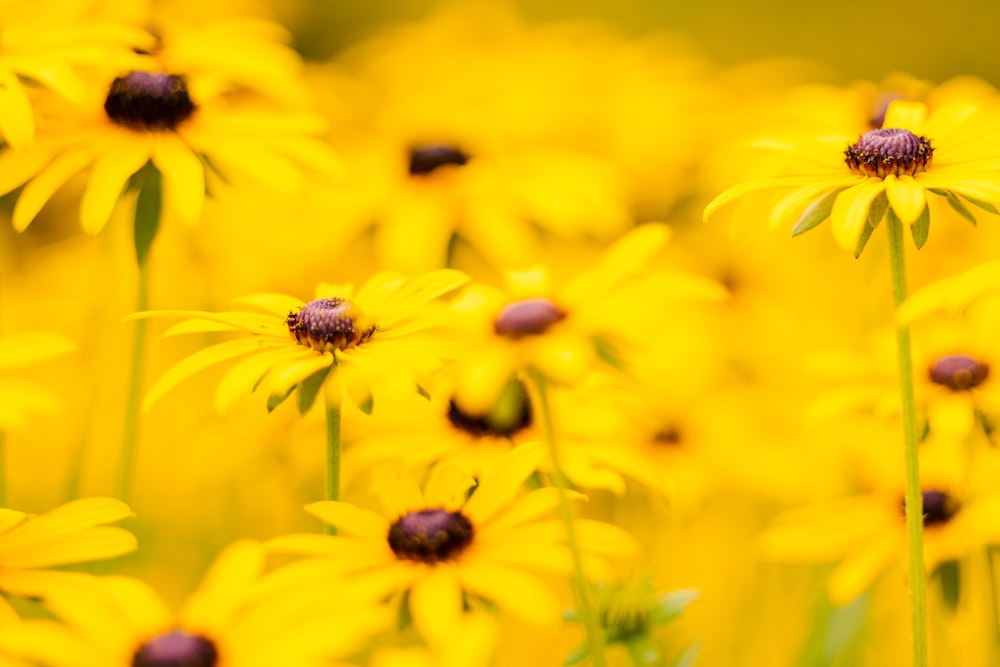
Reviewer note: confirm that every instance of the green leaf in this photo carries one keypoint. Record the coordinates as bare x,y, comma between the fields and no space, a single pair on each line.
576,656
274,400
367,405
949,579
423,392
920,229
985,205
309,389
815,213
148,210
960,208
866,234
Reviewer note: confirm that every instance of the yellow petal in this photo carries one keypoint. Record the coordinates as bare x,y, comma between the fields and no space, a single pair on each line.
511,589
905,115
349,519
227,581
41,188
499,485
858,571
22,349
436,603
749,187
17,122
447,487
850,212
183,177
107,180
906,197
398,490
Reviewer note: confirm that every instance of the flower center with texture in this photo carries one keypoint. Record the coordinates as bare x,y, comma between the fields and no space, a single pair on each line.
489,425
669,436
144,101
527,317
329,324
427,159
176,649
939,507
958,372
885,151
430,536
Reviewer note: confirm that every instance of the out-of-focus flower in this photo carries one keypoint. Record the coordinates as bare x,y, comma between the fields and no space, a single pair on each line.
19,397
562,333
951,153
176,116
865,535
71,533
441,545
42,43
234,618
342,339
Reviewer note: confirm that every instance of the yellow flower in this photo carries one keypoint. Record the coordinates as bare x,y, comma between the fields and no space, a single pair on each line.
440,542
178,121
71,533
951,153
562,333
865,535
42,42
341,339
235,618
19,397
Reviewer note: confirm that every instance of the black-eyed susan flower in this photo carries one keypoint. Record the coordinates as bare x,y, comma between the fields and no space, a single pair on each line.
865,535
19,397
442,545
234,618
563,332
42,44
71,533
916,160
345,339
175,120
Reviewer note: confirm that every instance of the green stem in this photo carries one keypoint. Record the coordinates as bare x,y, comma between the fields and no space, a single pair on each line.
595,635
130,437
914,496
3,469
332,456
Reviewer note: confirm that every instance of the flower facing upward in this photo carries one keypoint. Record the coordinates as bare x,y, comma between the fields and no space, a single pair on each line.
952,153
341,339
236,618
444,546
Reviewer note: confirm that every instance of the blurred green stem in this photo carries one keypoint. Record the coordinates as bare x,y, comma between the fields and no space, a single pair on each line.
130,437
595,635
914,496
332,456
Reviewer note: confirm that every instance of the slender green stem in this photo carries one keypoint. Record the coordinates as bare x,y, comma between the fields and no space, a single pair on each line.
595,635
130,437
3,469
332,456
914,496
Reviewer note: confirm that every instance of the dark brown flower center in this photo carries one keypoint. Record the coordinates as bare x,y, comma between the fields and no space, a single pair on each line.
527,317
144,101
939,507
488,425
429,158
668,436
430,536
329,324
885,151
176,648
958,372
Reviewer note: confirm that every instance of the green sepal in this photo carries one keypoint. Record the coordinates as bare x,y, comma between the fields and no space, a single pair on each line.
367,405
672,605
985,205
423,392
608,352
960,208
687,656
576,656
274,400
815,213
921,229
148,210
949,579
309,389
878,209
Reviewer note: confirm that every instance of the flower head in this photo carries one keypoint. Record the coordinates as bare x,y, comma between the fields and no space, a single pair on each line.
342,339
916,160
442,544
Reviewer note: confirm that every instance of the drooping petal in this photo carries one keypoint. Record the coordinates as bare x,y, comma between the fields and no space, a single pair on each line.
183,177
108,177
349,519
41,188
906,197
436,603
850,212
499,485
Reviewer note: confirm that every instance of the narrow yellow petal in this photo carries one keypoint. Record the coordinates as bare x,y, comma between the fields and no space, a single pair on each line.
28,348
227,581
858,571
398,490
511,589
41,188
107,180
750,187
906,115
906,197
436,603
447,486
17,122
349,519
500,484
183,177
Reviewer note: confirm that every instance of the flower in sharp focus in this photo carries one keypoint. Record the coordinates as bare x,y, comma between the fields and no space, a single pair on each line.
42,42
561,333
234,619
71,533
181,123
19,397
342,340
916,161
446,548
